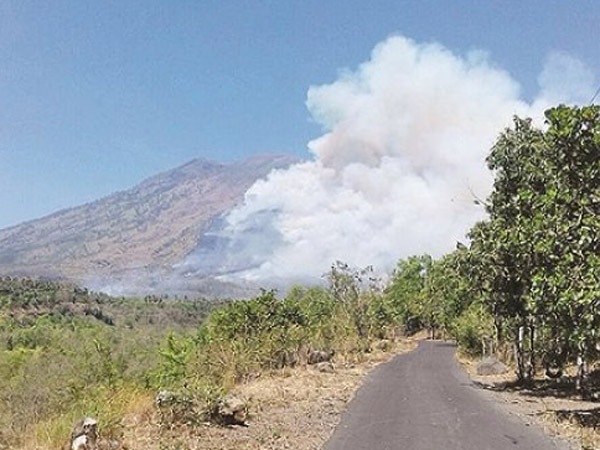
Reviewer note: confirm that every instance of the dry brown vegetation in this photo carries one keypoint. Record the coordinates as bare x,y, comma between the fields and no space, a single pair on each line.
291,408
59,364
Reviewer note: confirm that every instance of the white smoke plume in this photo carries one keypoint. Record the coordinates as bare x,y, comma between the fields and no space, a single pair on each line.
396,170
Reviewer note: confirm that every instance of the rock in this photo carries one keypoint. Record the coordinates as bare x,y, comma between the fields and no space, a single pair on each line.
325,367
554,372
230,410
318,356
112,445
85,435
491,366
165,398
383,345
175,408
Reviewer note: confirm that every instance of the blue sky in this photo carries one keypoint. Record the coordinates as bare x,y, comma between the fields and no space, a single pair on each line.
95,96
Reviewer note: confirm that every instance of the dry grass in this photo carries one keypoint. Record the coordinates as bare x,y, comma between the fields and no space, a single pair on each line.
556,408
46,435
290,409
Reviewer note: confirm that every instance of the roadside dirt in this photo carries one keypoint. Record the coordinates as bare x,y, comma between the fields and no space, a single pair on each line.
557,408
290,409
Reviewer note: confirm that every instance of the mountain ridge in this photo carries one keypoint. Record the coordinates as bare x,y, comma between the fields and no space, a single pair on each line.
146,228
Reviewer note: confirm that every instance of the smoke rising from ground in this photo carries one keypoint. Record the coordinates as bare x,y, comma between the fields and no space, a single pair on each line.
396,170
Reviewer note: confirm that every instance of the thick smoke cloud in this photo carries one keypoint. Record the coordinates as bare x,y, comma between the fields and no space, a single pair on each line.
399,164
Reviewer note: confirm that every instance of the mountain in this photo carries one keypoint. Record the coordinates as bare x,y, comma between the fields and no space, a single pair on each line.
136,234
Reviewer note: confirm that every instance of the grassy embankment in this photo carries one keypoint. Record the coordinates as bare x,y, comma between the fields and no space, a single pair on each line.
66,353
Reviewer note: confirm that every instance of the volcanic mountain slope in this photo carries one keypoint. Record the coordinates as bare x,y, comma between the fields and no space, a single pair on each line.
143,229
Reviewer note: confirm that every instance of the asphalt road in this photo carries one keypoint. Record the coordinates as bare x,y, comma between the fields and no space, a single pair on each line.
422,400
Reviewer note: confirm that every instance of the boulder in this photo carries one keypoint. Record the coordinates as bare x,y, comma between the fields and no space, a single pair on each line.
165,398
383,345
325,367
230,410
491,366
175,408
319,356
111,445
85,435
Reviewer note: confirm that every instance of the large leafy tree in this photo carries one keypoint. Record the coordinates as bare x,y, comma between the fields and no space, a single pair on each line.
567,276
502,247
536,258
405,293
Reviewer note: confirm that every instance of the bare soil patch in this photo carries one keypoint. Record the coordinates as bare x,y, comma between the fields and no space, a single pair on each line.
290,409
553,405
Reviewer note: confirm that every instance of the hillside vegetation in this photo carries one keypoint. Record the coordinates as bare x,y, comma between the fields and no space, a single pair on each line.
66,353
527,285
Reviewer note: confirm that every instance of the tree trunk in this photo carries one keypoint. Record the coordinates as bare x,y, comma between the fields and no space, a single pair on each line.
519,356
580,383
498,334
531,365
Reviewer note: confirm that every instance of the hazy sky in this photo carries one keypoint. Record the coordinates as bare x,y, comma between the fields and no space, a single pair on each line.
97,95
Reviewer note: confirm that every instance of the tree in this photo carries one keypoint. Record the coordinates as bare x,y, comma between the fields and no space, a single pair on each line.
502,248
446,292
536,258
567,276
405,293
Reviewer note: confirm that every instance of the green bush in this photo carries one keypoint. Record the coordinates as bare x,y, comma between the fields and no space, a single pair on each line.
473,329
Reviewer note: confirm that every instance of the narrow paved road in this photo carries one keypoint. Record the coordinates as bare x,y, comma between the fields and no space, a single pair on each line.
423,401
